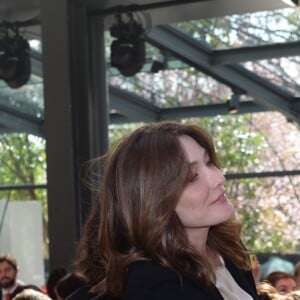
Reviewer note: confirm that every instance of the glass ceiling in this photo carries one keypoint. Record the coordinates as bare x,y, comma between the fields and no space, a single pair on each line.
183,85
27,99
283,72
179,84
252,29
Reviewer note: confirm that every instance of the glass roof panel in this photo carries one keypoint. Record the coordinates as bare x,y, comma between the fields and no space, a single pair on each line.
175,87
27,99
252,29
182,85
283,72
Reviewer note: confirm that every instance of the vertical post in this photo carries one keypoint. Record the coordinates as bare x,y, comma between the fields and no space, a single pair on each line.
74,129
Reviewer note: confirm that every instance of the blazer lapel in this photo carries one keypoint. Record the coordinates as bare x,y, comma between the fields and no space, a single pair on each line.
243,278
212,292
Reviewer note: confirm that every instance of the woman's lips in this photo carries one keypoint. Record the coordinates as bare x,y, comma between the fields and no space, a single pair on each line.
220,199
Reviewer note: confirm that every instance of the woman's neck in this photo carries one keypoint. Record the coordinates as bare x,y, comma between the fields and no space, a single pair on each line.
198,239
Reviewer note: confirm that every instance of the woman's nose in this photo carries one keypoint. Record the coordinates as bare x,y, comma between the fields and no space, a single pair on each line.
217,178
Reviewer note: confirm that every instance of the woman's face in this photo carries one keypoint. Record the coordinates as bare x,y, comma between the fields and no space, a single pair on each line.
285,285
203,202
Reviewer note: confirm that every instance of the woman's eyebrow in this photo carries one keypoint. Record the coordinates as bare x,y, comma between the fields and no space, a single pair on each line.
193,163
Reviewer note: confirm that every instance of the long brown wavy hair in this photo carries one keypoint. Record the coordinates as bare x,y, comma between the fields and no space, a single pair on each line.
134,216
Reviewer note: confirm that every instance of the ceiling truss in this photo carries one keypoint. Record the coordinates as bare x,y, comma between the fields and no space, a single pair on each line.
215,63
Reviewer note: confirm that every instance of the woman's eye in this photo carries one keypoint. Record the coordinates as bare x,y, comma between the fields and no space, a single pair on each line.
210,163
194,177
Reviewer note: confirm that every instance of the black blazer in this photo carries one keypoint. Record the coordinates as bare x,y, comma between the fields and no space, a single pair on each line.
150,281
147,280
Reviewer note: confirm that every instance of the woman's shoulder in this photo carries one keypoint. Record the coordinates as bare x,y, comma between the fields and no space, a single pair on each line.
146,278
148,273
150,280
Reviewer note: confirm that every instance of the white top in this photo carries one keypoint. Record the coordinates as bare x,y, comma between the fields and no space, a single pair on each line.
12,289
227,286
8,291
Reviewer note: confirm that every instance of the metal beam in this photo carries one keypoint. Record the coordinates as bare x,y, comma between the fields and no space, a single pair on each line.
132,106
139,7
18,121
199,55
208,110
263,174
242,54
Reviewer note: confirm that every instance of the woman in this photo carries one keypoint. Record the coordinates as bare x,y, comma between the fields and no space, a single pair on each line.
162,227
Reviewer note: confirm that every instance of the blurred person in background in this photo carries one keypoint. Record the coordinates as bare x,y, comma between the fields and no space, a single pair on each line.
283,282
265,290
19,289
31,294
8,276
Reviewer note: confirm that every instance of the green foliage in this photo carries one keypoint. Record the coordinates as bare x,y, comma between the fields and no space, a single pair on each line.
23,162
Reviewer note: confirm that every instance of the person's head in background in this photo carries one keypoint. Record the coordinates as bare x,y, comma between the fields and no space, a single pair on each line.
69,284
297,274
8,271
31,294
55,275
282,281
20,288
265,290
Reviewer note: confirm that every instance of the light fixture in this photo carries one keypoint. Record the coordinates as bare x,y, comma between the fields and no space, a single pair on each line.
234,103
159,63
15,66
128,49
156,66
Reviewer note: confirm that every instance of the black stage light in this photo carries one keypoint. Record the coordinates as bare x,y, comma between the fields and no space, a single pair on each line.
159,63
128,50
234,103
157,66
15,66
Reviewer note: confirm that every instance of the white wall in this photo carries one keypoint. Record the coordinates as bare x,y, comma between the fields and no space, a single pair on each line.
22,236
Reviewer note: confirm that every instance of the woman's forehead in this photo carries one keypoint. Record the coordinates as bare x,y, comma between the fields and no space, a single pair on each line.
194,151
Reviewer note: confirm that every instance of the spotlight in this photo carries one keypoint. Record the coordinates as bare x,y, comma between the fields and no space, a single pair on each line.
128,50
157,66
234,103
15,67
159,63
